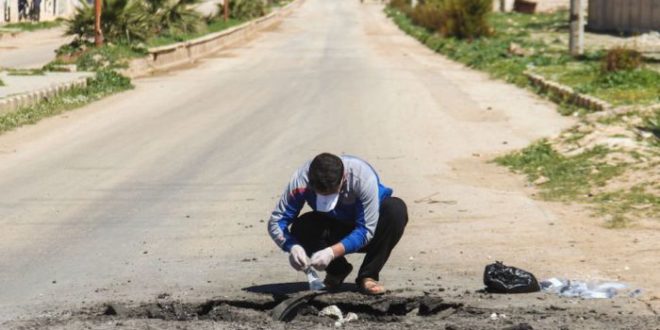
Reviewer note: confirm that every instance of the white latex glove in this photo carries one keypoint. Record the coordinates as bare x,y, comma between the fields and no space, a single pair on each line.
298,258
321,259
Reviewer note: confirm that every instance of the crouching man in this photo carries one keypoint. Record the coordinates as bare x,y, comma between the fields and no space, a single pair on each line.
352,212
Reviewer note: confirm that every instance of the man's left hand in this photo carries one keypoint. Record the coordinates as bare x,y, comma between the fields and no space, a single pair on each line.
321,259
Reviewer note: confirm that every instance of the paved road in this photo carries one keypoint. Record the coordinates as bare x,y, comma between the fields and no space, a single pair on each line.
166,188
31,49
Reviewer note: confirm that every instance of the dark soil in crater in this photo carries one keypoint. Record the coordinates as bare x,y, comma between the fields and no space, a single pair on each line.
470,311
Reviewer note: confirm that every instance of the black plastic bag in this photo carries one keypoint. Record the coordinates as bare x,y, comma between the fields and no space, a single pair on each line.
499,278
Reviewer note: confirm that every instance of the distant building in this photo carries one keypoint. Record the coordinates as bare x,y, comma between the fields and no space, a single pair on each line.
12,11
541,5
630,16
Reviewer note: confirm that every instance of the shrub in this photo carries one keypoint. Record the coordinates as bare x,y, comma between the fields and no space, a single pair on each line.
402,6
247,9
466,19
132,21
174,17
427,15
621,59
121,20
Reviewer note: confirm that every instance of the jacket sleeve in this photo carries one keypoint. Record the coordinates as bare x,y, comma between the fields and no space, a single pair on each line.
367,216
286,210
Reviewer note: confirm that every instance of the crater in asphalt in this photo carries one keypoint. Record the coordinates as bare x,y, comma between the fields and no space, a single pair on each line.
393,311
375,309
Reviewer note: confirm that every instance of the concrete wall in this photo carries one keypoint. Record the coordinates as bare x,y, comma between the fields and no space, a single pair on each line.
50,10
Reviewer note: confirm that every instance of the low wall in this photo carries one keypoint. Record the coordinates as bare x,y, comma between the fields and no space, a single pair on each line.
567,94
170,56
16,102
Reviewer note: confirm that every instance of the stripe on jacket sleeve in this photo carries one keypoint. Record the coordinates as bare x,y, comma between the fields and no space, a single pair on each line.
367,215
287,209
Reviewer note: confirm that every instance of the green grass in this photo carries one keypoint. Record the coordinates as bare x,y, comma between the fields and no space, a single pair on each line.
103,84
33,26
577,179
641,86
212,27
568,178
2,83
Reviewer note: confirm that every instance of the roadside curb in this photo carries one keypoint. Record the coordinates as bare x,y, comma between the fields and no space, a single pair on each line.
187,52
567,94
18,101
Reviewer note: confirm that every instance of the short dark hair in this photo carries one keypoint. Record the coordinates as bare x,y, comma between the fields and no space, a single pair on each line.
326,172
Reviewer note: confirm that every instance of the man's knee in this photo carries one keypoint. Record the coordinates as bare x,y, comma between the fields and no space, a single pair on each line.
394,209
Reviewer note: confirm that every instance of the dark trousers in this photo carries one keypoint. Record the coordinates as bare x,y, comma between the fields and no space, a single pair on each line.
316,231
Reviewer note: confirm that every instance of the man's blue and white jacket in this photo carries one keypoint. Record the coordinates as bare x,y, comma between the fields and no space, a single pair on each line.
359,202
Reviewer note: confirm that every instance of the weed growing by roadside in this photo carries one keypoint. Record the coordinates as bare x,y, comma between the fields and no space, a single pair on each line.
427,15
105,83
462,19
617,205
466,19
621,59
2,83
587,177
563,178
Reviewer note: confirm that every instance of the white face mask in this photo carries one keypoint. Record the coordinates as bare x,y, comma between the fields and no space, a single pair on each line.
326,203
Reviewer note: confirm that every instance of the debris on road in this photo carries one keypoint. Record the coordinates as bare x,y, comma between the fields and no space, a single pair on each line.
499,278
334,312
496,316
585,290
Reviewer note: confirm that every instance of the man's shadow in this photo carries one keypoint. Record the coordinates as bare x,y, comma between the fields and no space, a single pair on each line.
285,289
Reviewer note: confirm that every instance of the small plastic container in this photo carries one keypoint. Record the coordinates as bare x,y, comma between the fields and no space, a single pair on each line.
315,283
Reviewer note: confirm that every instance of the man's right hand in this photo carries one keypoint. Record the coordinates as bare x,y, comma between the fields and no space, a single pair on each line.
298,258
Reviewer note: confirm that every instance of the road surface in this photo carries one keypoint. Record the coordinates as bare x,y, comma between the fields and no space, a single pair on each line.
166,188
29,50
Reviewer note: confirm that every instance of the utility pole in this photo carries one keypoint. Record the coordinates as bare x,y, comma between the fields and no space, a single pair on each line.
98,34
226,9
576,37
